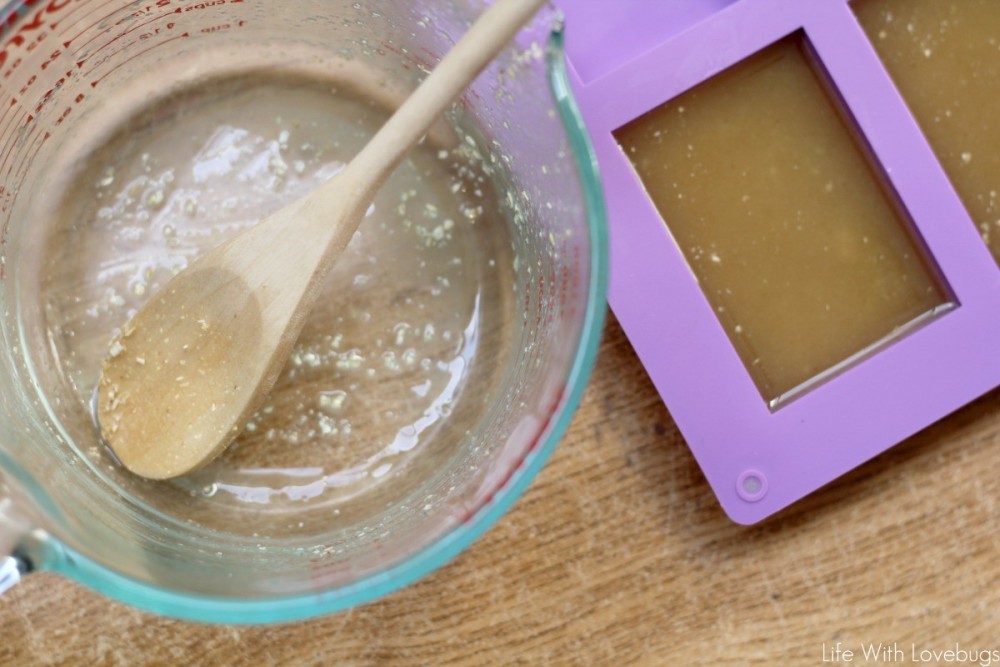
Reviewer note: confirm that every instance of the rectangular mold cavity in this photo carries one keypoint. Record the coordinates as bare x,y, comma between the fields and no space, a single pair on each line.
944,58
791,228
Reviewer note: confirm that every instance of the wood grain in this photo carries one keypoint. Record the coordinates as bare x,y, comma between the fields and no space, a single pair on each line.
619,554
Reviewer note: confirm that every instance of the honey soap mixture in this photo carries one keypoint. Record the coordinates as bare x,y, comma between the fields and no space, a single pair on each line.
785,221
944,57
398,357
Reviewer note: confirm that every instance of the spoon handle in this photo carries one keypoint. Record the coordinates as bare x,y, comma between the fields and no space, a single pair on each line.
459,67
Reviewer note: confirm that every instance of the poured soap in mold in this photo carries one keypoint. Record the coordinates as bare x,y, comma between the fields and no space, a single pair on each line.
944,57
790,228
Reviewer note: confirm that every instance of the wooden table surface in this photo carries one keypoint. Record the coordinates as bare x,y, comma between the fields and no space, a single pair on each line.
619,554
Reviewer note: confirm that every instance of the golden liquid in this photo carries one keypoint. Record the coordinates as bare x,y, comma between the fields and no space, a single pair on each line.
944,58
788,226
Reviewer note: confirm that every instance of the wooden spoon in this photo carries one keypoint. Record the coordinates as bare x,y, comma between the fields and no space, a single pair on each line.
192,366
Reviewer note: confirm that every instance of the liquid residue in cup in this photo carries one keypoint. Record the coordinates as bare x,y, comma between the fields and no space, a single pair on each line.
408,331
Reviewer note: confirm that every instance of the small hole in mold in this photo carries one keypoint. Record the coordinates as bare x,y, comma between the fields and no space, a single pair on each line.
751,485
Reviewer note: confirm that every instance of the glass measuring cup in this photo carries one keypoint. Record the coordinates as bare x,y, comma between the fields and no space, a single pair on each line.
72,74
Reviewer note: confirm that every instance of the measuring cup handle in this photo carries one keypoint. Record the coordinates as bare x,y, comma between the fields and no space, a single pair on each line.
13,528
11,571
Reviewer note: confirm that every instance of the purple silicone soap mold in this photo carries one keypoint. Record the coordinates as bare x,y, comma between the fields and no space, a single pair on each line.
627,61
597,20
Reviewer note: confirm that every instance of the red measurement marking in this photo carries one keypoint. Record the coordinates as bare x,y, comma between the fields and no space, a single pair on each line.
93,25
94,83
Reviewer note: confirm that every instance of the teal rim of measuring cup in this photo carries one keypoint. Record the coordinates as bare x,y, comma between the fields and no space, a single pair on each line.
53,556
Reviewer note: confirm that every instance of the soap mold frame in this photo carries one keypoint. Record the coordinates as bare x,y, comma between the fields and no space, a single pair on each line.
869,407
